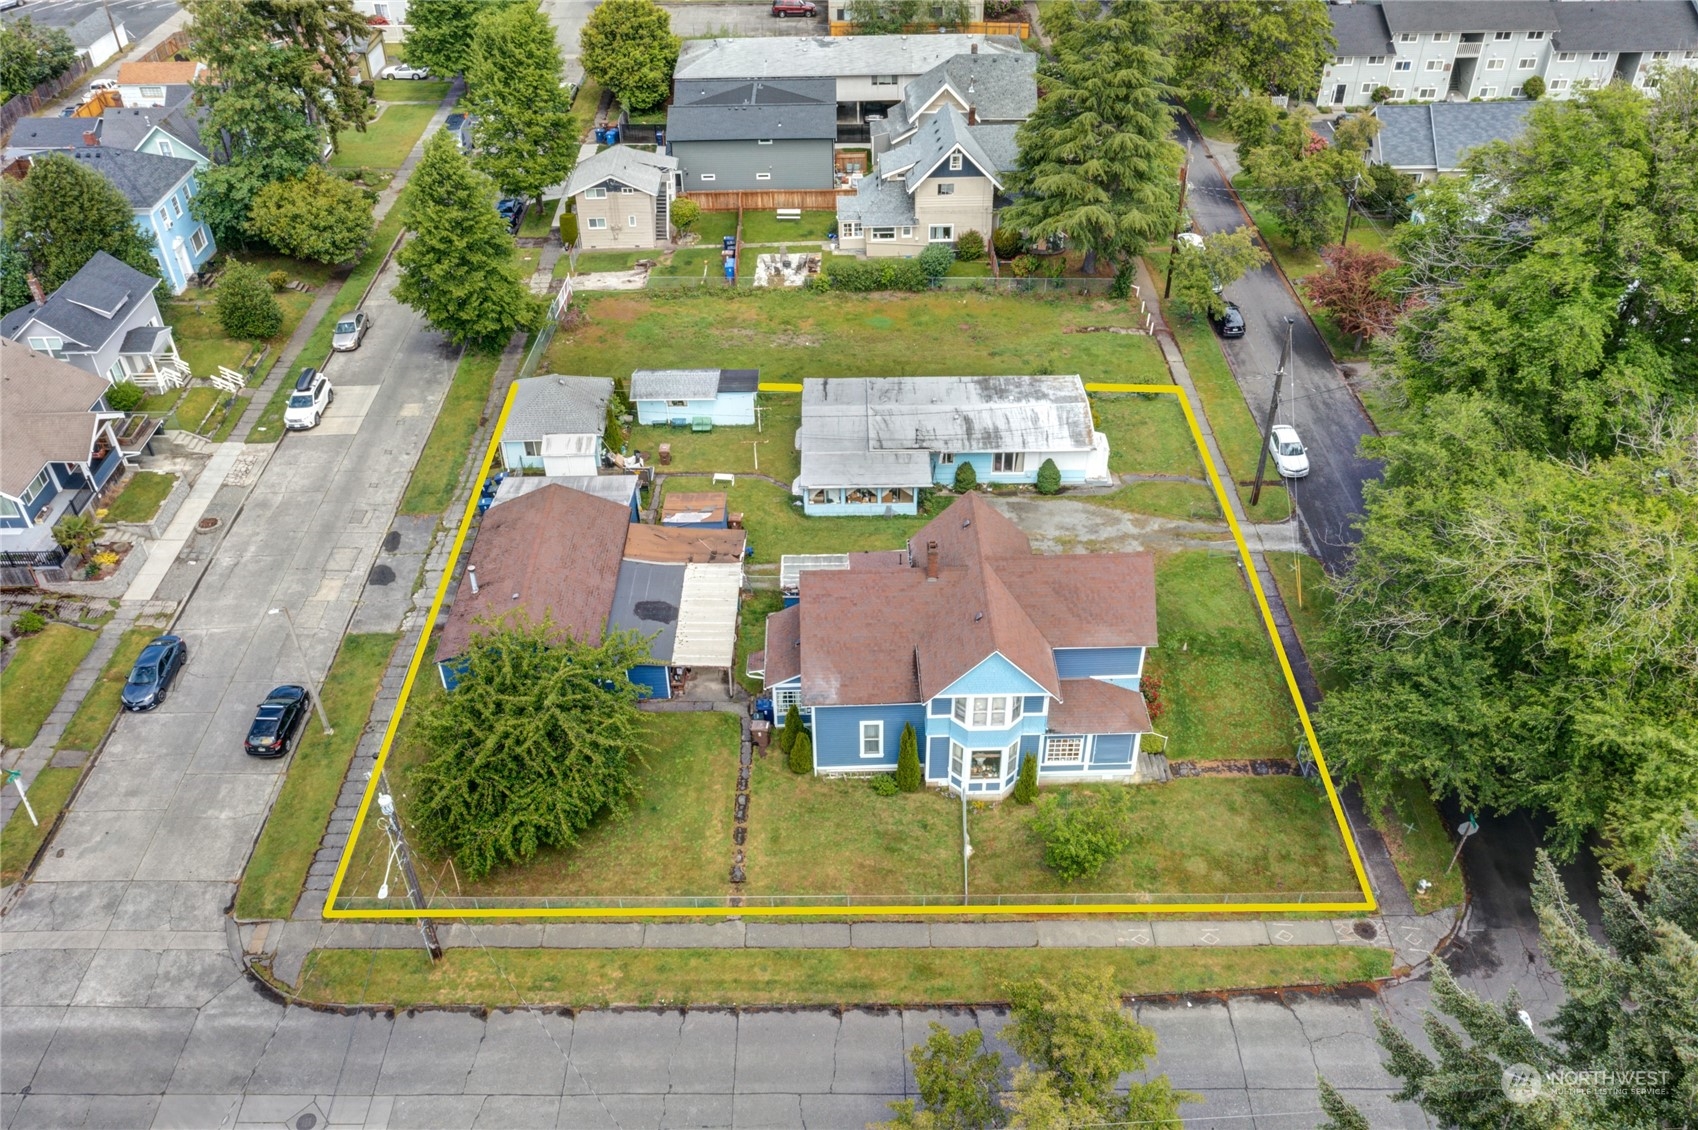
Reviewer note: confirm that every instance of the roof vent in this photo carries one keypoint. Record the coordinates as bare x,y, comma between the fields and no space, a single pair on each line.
977,616
965,522
515,596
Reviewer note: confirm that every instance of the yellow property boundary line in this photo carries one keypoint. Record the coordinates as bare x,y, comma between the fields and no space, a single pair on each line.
1366,905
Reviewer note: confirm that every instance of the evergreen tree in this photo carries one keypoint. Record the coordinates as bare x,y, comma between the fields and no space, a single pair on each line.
522,137
244,305
1026,784
965,477
1097,162
439,32
1340,1114
1268,48
59,215
318,217
909,777
802,754
459,269
1049,478
792,728
628,47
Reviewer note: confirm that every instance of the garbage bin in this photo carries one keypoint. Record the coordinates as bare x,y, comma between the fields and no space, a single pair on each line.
728,242
659,136
760,733
613,135
601,135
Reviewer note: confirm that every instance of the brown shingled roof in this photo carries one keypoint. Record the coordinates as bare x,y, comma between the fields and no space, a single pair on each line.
970,530
47,417
558,550
681,545
686,502
783,645
1091,706
1086,599
159,74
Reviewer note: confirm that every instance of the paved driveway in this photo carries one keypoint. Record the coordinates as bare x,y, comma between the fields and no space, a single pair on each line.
1315,400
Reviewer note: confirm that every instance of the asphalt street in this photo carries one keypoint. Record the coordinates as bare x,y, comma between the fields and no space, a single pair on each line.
139,17
1315,398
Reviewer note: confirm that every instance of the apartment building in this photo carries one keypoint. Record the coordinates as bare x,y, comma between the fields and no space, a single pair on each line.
1458,50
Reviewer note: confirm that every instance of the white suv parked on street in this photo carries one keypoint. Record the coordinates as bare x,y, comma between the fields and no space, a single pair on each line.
307,403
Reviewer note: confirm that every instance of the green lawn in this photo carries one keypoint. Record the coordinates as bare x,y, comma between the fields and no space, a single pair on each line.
141,497
791,334
730,449
713,227
1220,688
691,263
35,678
290,838
975,270
201,340
1212,128
1147,434
1275,505
410,90
764,226
584,108
539,217
1421,844
436,475
19,839
1308,598
752,612
386,141
1235,429
590,262
602,978
1184,501
776,527
92,719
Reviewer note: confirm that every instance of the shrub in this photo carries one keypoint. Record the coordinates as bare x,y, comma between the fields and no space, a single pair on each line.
279,279
1008,242
685,212
28,624
802,754
1081,834
125,396
1534,88
884,784
569,229
936,259
1025,265
1381,94
909,778
965,478
77,533
1026,786
862,275
244,306
792,727
1049,478
970,248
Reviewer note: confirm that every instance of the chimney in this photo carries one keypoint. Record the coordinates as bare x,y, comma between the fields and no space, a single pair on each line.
35,290
472,576
931,561
90,137
972,114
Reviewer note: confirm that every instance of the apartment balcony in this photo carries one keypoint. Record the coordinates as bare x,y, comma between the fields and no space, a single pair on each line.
1468,50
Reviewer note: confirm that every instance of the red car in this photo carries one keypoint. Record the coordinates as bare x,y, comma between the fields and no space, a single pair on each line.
783,8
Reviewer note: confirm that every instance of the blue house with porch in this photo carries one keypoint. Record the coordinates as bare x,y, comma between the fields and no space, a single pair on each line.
722,397
991,653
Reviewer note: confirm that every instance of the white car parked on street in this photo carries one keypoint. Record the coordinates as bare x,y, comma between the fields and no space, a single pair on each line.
1289,454
307,403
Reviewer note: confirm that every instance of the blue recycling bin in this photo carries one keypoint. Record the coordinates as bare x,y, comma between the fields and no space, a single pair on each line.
728,243
659,136
601,135
613,135
731,268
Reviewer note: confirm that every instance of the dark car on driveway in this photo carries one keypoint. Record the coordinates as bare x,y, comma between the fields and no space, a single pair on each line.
1231,321
155,668
277,720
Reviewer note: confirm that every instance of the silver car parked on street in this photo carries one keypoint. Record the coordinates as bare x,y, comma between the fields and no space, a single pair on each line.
349,330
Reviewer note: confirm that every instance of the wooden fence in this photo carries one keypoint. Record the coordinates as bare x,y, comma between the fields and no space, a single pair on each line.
978,27
813,200
23,105
168,48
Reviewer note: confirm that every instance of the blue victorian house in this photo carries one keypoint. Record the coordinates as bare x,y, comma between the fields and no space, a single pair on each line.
991,653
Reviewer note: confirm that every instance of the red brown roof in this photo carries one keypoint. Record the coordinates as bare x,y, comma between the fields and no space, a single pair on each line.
681,545
554,553
1091,706
689,502
783,645
1086,599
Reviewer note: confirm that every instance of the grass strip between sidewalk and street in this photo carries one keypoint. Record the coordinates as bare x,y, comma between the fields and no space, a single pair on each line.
19,839
100,705
269,427
290,839
32,683
735,977
436,475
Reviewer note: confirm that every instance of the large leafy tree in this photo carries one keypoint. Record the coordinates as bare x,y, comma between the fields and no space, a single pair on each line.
1354,288
523,133
1096,160
30,56
541,736
459,270
1625,1048
439,32
1304,178
58,216
628,47
959,1083
1275,47
318,216
1224,258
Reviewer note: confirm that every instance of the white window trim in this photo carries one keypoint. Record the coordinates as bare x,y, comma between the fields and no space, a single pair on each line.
948,235
968,710
176,207
1526,64
1376,60
957,759
595,223
1535,36
197,239
1008,463
1495,64
1488,92
851,229
627,192
1403,65
955,162
876,727
907,231
946,188
1502,36
1426,92
763,176
630,220
1075,744
763,141
595,194
705,177
1435,64
881,235
533,448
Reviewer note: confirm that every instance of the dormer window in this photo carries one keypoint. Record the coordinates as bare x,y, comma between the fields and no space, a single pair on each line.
955,162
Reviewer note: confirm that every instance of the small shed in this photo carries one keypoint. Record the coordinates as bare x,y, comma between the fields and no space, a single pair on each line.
706,509
724,397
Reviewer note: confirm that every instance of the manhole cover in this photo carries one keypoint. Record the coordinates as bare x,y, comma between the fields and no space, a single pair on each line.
306,1122
380,575
206,524
1365,931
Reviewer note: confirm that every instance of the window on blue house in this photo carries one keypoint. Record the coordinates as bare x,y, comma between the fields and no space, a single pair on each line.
988,712
872,739
785,697
1064,751
1008,462
987,764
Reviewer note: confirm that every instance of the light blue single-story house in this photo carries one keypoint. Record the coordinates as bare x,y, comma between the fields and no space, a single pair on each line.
869,445
723,397
991,653
555,425
159,190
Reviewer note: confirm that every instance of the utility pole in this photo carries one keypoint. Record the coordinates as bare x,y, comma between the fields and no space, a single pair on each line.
317,688
1273,407
415,893
966,840
1350,207
1178,222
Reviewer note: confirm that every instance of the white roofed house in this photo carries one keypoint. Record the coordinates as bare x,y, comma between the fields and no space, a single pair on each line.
623,198
869,444
555,425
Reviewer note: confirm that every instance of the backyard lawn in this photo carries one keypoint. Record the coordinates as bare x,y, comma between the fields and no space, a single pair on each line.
1147,434
35,678
100,705
590,262
410,90
752,612
141,497
1187,502
789,335
729,449
712,227
777,527
764,226
386,141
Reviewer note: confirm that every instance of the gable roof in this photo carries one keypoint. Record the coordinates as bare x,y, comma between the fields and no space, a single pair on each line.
751,109
1471,15
1437,134
144,178
34,134
818,56
48,415
890,635
167,73
674,384
998,87
84,33
126,127
1360,30
783,646
1627,25
552,405
642,170
681,545
89,307
938,136
553,552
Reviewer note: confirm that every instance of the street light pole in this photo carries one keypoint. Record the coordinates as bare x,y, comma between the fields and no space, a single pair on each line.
1178,222
1273,407
415,893
314,685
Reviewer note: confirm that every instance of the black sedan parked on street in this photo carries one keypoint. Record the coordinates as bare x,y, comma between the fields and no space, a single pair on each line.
277,721
155,668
